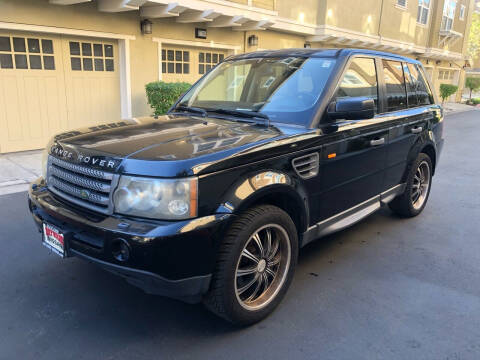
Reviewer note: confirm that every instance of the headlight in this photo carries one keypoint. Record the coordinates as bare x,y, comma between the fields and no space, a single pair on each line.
168,199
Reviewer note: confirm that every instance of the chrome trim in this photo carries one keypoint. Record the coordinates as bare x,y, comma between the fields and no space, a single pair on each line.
70,181
80,193
81,181
351,216
81,169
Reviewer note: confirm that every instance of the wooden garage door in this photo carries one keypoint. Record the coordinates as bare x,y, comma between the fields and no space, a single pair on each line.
188,64
32,90
46,87
92,81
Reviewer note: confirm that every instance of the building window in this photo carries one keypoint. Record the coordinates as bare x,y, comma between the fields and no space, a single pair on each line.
462,12
402,4
423,10
88,56
175,61
448,14
26,53
207,60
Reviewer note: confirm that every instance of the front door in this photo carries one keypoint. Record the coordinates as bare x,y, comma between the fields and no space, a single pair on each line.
353,162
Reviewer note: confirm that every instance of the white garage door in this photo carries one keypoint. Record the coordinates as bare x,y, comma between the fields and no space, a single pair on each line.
50,83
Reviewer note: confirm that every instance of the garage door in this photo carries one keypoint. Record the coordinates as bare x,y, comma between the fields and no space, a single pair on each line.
43,90
188,64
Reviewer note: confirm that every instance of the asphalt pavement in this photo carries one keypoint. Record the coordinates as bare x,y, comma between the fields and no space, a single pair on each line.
387,288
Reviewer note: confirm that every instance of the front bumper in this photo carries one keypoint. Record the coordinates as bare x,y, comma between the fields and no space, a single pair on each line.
173,259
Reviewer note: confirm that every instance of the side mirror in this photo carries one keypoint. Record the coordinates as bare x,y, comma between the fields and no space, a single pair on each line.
356,108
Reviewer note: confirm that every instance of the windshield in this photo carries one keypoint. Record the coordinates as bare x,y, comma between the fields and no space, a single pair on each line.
284,89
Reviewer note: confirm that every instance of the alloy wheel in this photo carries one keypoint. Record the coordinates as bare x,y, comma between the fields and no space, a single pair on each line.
262,267
421,185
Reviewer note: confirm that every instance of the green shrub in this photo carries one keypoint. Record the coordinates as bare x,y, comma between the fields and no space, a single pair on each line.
446,90
475,101
161,95
472,83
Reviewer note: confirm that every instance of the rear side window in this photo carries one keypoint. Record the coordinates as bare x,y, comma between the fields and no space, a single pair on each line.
394,85
424,93
360,80
411,83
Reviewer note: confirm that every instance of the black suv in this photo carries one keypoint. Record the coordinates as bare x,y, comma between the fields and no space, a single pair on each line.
265,153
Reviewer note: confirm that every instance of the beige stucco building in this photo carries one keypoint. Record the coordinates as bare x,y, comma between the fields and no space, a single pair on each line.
71,63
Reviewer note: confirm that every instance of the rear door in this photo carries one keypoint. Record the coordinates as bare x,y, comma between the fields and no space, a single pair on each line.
408,113
353,163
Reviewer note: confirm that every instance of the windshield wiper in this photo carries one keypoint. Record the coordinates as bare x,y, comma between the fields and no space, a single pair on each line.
242,113
192,109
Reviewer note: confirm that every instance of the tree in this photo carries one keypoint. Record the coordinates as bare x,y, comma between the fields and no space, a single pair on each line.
474,37
473,83
446,90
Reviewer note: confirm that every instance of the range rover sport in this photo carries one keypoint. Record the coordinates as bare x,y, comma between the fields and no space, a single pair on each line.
265,153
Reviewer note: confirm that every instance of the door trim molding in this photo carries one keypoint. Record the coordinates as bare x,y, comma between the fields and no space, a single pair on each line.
123,54
351,216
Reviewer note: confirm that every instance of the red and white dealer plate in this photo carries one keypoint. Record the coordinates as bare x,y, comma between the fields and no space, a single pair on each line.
53,239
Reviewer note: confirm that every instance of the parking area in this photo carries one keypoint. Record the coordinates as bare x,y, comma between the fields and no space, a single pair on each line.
387,288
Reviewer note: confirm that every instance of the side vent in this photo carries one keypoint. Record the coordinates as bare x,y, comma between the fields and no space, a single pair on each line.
306,166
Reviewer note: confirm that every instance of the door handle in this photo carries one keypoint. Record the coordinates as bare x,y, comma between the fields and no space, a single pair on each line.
376,142
416,130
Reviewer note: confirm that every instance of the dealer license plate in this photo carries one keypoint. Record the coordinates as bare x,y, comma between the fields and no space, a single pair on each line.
53,239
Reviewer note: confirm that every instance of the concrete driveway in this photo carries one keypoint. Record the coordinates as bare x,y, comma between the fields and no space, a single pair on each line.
387,288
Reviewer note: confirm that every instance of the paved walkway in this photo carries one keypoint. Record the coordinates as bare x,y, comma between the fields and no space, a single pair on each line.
17,170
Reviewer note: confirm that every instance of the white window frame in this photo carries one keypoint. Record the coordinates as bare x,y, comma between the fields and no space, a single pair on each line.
461,15
420,9
400,6
446,9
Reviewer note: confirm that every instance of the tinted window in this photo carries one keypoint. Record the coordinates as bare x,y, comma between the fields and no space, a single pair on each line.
360,80
394,85
424,94
411,84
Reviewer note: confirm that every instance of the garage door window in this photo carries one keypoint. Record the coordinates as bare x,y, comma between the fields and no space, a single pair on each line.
26,53
175,61
207,60
86,56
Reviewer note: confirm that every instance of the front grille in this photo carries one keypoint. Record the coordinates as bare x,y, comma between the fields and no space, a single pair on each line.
80,185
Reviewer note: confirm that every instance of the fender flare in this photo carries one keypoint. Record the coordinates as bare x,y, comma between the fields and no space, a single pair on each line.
275,185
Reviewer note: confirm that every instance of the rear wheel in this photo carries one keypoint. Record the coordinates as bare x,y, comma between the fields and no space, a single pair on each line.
419,180
255,266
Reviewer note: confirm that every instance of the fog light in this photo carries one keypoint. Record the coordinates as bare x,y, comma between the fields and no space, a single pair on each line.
120,250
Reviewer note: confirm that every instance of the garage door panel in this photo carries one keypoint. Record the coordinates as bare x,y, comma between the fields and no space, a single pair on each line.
31,91
13,120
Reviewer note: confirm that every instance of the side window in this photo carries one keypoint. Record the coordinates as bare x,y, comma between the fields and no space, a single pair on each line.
394,85
360,80
424,93
411,83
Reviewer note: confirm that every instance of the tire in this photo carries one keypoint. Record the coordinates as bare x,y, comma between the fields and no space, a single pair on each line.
230,295
409,204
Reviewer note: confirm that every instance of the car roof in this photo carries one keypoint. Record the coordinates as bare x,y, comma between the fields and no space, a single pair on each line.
322,53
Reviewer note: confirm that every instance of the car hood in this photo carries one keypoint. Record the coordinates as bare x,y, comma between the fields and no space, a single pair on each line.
169,146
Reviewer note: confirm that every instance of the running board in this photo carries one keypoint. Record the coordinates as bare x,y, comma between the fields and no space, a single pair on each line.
351,216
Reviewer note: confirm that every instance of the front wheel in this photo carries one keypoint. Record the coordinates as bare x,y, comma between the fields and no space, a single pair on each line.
255,266
417,189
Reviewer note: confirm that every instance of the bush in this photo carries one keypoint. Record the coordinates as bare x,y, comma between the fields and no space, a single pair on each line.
161,95
475,101
472,83
446,90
